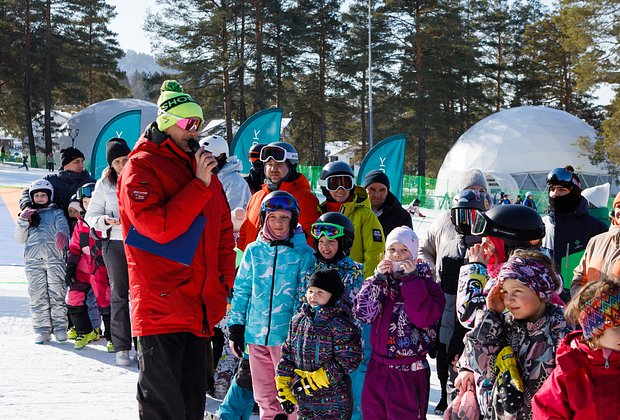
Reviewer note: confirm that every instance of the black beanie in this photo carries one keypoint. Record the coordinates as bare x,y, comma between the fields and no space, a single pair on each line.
376,176
115,148
68,154
330,281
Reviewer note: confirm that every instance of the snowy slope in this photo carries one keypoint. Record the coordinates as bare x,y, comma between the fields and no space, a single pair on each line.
55,381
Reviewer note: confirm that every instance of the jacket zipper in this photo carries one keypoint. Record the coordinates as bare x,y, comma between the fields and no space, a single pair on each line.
273,283
316,352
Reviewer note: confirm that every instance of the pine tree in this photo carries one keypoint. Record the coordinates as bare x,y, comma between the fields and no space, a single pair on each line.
92,51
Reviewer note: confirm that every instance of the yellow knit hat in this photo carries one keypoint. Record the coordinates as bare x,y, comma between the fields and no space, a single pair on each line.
174,105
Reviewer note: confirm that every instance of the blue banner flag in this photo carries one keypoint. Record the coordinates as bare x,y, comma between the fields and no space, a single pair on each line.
125,125
262,127
388,156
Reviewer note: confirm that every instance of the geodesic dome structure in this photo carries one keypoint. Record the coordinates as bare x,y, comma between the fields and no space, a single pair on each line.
99,122
517,147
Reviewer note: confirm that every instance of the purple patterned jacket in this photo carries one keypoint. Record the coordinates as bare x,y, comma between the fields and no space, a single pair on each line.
403,313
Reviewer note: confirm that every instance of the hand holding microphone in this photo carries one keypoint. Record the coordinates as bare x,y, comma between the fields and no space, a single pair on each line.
206,165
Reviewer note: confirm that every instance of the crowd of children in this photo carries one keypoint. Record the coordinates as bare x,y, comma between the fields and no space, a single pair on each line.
297,316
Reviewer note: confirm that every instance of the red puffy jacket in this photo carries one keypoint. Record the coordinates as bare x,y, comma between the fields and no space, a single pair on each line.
308,210
159,195
584,385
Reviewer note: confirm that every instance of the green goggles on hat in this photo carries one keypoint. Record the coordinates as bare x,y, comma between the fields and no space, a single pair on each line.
329,230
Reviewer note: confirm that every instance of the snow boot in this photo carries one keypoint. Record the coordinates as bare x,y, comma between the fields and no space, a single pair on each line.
61,335
122,358
72,333
83,339
42,337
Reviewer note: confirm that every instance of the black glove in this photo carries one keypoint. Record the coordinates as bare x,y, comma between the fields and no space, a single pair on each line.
236,334
35,219
70,273
244,376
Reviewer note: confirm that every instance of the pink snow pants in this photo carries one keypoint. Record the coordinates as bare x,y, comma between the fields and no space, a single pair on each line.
263,363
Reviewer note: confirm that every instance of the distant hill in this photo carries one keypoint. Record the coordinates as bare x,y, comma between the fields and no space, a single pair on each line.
134,61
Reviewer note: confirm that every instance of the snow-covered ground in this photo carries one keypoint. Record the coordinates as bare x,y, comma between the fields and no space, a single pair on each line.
54,381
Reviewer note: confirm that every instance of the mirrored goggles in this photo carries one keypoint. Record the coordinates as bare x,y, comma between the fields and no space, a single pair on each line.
277,153
480,224
560,176
280,203
85,191
462,216
192,123
333,182
189,123
329,230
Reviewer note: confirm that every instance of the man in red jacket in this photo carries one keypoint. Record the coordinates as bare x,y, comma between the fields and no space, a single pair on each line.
162,190
280,160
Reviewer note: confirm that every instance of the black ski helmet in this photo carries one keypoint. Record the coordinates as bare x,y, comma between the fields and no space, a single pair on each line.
344,242
511,222
280,200
334,168
464,206
254,155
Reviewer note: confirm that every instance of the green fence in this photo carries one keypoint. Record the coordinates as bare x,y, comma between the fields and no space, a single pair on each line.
413,187
423,188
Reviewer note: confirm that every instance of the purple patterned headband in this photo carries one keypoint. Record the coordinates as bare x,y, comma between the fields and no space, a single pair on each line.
600,312
531,273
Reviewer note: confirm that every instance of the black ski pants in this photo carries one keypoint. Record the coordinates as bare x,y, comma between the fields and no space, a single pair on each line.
172,383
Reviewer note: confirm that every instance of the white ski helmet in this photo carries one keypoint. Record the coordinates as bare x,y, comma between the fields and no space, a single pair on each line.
41,185
215,144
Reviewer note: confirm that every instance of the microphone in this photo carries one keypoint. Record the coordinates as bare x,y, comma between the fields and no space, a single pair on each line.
194,146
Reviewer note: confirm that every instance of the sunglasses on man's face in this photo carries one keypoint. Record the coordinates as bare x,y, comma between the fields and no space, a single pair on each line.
189,123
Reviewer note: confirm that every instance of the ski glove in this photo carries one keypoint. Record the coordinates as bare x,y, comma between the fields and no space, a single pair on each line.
311,381
70,274
510,384
27,213
35,219
236,334
61,240
285,395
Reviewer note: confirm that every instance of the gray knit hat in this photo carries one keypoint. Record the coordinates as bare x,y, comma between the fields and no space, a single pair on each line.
473,177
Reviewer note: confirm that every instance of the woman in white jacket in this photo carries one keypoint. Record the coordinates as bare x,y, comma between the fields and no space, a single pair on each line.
102,215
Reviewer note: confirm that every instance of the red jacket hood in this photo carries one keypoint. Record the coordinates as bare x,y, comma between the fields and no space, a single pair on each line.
573,350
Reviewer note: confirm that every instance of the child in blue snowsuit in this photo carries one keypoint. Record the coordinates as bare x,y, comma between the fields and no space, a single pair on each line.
266,294
44,230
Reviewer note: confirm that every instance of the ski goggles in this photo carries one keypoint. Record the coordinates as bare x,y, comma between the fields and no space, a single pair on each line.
280,203
329,230
277,153
192,123
462,216
560,176
189,123
334,182
85,191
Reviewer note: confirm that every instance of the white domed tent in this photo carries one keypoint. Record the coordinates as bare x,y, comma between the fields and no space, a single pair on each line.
517,147
99,122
